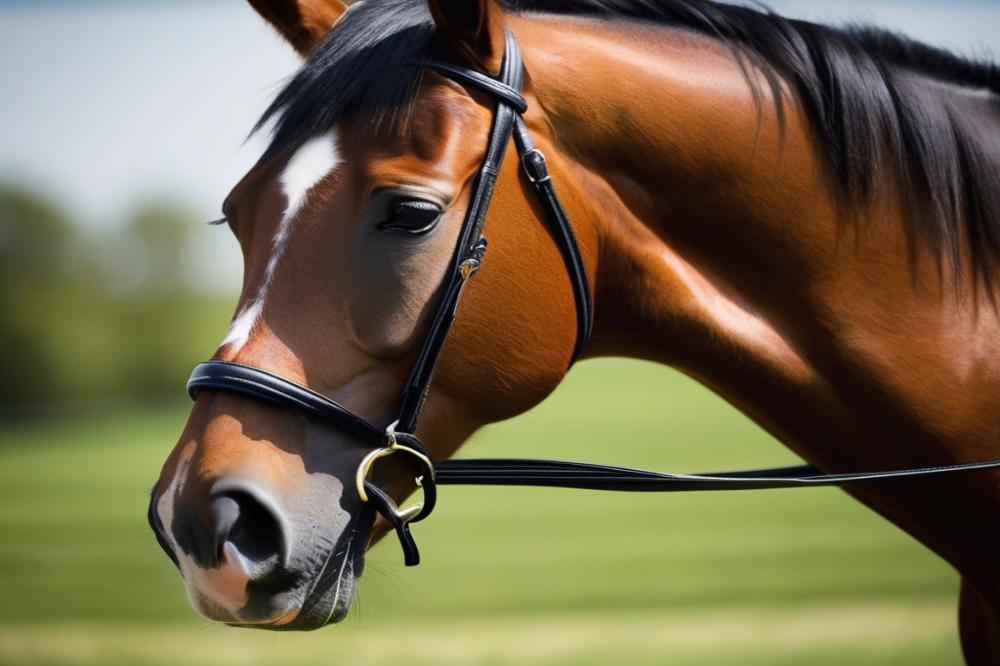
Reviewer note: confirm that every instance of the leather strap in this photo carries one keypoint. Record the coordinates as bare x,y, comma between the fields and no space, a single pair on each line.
567,474
263,385
536,169
501,90
471,245
387,507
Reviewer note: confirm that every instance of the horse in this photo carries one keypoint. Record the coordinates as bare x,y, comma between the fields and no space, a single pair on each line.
805,219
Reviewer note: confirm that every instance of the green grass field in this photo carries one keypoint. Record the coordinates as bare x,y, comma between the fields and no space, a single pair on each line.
510,576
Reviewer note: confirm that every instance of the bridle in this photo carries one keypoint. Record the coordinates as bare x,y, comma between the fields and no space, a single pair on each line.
400,438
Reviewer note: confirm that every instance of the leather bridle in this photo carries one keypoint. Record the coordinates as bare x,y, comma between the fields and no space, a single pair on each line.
400,438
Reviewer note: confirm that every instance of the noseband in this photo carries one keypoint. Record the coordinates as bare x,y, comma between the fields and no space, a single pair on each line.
399,437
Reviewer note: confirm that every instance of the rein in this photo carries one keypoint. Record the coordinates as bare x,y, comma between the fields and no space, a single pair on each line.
399,437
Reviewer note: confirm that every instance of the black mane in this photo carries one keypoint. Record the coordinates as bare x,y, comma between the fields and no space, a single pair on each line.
872,118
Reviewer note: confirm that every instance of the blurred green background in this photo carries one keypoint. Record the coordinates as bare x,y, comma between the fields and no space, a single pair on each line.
119,135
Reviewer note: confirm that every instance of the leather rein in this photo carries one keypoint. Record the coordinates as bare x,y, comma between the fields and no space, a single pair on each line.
399,437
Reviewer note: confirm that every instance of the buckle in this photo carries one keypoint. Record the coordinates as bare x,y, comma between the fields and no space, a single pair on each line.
535,168
468,267
473,260
392,447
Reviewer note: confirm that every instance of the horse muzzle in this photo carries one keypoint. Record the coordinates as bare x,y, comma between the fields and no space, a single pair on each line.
245,563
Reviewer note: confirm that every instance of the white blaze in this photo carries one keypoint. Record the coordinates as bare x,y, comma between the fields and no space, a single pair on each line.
310,164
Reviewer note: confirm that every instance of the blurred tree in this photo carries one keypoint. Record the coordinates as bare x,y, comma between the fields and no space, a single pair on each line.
44,282
35,237
151,252
170,321
96,316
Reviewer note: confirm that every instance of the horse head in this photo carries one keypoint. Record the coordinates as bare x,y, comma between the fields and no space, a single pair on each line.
348,227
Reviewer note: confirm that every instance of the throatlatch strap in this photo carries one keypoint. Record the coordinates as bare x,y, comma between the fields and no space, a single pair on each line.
536,169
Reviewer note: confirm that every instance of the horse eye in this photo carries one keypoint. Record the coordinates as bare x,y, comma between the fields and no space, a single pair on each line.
412,216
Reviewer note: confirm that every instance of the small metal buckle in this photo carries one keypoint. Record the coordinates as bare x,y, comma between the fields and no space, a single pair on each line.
529,168
392,446
468,267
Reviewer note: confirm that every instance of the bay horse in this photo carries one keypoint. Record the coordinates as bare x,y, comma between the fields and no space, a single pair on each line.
805,219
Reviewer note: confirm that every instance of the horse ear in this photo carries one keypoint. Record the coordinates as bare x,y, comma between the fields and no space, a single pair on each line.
302,22
474,28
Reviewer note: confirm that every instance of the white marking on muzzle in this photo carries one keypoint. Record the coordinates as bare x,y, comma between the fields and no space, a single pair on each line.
310,164
224,586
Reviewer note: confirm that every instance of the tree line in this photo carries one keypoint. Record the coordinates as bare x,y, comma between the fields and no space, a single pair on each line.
96,314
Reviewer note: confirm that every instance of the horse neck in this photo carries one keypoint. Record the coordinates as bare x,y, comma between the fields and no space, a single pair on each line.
717,247
668,152
723,252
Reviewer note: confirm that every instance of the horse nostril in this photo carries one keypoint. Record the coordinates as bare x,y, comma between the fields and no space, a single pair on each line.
248,533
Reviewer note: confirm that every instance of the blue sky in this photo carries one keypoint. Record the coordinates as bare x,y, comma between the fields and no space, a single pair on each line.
112,101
